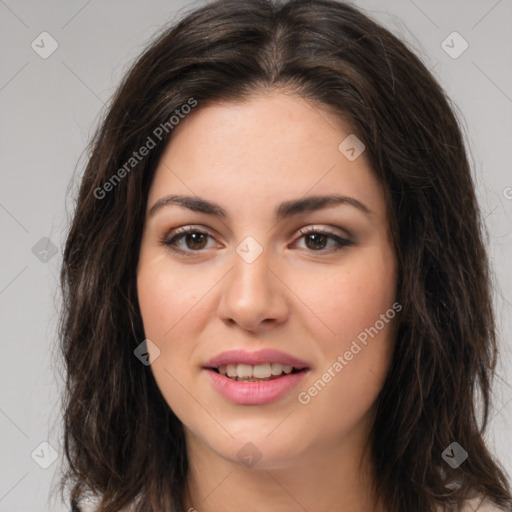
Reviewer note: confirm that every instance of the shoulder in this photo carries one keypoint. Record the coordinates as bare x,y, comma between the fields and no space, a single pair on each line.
479,505
92,505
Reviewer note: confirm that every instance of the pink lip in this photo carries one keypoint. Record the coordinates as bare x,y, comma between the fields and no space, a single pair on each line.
253,358
254,393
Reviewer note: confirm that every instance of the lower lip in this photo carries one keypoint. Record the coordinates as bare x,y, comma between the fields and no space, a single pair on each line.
254,393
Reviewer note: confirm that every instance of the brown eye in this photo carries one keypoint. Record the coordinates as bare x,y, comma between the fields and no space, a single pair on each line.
316,240
194,239
190,239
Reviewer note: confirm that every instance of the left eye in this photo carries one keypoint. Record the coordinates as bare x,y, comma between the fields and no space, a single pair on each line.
196,239
316,239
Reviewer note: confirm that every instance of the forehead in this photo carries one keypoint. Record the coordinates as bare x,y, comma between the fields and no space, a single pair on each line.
265,148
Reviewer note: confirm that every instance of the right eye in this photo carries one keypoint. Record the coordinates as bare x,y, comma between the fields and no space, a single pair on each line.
194,238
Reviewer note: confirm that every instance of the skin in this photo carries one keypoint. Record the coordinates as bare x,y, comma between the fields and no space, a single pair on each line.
299,296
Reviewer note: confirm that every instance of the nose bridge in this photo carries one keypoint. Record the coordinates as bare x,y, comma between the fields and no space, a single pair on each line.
252,274
252,294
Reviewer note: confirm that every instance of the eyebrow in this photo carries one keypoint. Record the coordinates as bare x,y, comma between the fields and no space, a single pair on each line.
284,210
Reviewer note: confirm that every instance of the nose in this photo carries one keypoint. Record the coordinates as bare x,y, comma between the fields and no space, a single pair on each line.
253,295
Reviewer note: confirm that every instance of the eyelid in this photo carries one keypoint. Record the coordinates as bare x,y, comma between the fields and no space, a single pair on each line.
313,228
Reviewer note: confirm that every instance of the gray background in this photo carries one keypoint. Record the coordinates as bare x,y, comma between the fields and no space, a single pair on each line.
49,109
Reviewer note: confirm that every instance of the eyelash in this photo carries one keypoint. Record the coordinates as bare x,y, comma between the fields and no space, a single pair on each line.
171,239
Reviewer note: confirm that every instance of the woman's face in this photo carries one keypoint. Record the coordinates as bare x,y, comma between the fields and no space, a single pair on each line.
247,279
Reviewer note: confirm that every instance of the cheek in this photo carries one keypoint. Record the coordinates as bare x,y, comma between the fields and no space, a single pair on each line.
352,297
171,312
358,346
168,299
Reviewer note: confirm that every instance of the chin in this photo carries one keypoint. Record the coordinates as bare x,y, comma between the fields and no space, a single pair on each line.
256,450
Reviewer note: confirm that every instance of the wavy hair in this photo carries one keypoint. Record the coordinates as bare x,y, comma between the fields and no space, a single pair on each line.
122,442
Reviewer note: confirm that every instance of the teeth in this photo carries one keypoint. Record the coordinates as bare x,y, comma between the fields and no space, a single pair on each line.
259,371
276,368
244,370
230,369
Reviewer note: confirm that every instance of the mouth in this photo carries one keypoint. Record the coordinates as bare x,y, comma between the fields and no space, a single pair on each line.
264,372
255,378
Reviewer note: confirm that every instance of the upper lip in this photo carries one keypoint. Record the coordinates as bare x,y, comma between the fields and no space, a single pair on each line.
254,358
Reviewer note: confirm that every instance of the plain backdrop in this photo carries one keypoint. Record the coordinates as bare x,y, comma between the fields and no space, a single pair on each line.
49,108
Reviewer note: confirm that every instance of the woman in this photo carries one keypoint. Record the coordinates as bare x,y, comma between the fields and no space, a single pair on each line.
275,283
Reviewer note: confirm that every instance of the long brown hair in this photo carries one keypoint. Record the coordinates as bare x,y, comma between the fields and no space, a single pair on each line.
122,441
